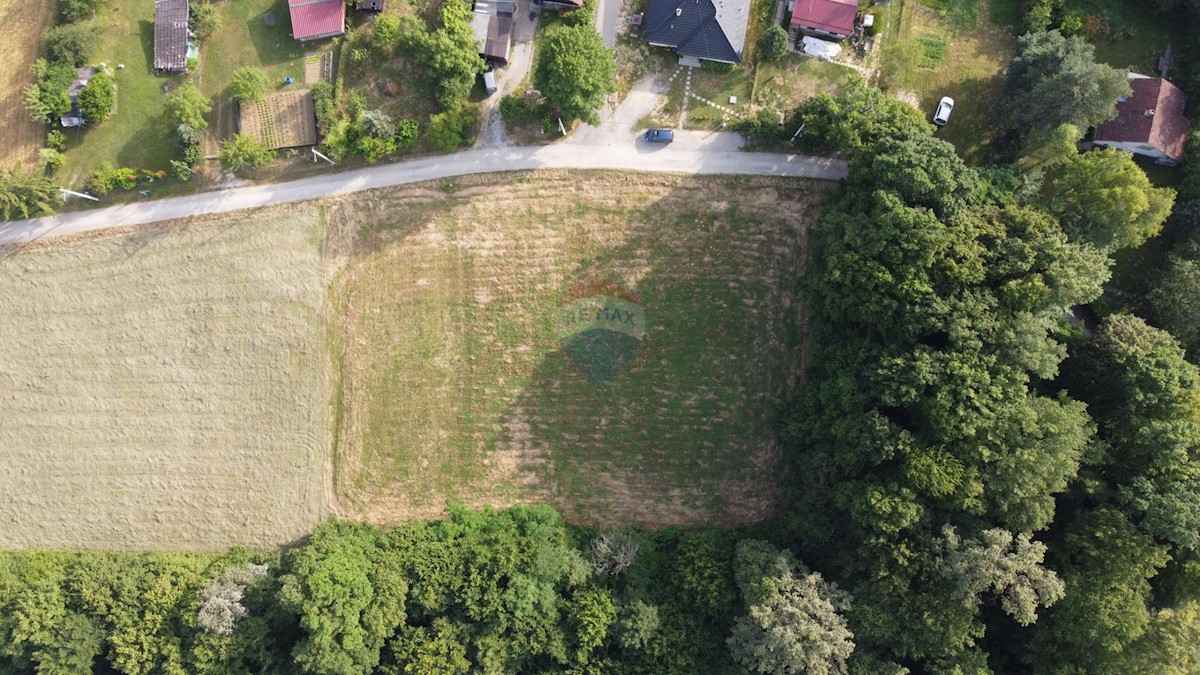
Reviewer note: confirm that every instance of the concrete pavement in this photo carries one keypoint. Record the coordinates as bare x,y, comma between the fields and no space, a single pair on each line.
634,156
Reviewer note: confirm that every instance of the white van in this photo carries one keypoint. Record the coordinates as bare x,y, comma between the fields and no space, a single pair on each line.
489,82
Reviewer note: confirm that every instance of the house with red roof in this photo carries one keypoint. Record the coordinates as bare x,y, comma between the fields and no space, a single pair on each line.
824,18
316,19
1149,122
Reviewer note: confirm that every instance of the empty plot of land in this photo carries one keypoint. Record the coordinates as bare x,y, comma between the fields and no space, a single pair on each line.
23,21
164,389
615,345
285,119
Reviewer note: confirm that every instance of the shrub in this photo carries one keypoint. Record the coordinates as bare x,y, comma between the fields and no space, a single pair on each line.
249,84
406,134
73,11
204,20
386,32
373,147
521,109
450,130
107,178
72,43
378,124
56,139
243,151
97,98
52,160
188,106
772,46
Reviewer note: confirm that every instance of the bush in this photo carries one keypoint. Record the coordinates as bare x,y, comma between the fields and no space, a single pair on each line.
379,124
56,139
97,98
772,46
72,43
249,84
243,151
386,32
451,129
188,106
406,134
52,160
373,147
521,109
204,19
73,11
107,178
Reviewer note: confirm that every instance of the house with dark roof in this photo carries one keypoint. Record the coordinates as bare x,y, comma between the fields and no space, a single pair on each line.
1150,122
492,24
74,117
170,36
702,29
316,19
824,18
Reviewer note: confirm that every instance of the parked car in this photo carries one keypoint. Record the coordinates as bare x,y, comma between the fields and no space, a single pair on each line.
945,107
659,135
489,82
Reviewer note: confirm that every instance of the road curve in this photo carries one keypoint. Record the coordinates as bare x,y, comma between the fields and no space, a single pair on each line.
640,156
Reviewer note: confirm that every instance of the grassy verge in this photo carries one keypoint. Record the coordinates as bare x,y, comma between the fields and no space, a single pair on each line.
457,385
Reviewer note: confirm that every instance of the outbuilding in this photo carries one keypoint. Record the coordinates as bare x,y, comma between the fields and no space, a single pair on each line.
1150,122
170,36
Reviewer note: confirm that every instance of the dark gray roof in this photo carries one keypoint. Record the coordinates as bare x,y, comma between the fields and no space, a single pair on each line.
708,29
170,35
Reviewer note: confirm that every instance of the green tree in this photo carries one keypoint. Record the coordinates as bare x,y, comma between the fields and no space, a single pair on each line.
855,118
575,72
772,44
1007,566
244,150
794,623
448,56
249,84
1105,199
47,98
75,11
204,19
1174,301
188,106
1047,147
97,99
1054,80
25,194
71,43
385,32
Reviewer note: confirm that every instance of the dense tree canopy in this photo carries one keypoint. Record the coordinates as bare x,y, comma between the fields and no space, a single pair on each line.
1054,80
574,72
97,99
1105,199
448,56
249,84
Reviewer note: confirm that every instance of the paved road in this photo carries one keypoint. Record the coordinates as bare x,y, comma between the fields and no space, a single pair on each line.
638,156
607,12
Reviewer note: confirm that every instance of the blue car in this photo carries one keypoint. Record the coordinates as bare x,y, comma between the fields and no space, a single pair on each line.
659,136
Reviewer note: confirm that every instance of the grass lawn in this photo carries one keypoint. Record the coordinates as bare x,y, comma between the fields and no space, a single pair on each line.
458,382
137,135
252,33
1138,33
783,84
950,49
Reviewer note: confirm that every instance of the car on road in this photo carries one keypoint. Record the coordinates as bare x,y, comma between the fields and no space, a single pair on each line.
659,135
944,108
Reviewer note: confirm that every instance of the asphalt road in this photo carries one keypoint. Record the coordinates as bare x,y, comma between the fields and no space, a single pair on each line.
638,156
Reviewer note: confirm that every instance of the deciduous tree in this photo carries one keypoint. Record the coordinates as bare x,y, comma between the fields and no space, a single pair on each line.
575,72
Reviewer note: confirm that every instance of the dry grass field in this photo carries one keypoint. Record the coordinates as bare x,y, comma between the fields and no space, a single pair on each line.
165,388
284,119
23,21
458,382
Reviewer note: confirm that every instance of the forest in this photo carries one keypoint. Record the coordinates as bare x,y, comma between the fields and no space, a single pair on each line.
993,466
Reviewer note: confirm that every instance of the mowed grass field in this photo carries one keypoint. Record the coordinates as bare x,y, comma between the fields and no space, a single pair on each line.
165,389
23,21
455,383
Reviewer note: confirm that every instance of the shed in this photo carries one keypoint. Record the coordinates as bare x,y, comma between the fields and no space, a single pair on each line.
370,5
170,36
74,117
492,24
316,19
825,18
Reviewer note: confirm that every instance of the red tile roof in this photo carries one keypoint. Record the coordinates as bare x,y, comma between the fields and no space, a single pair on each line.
833,16
313,19
1166,130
